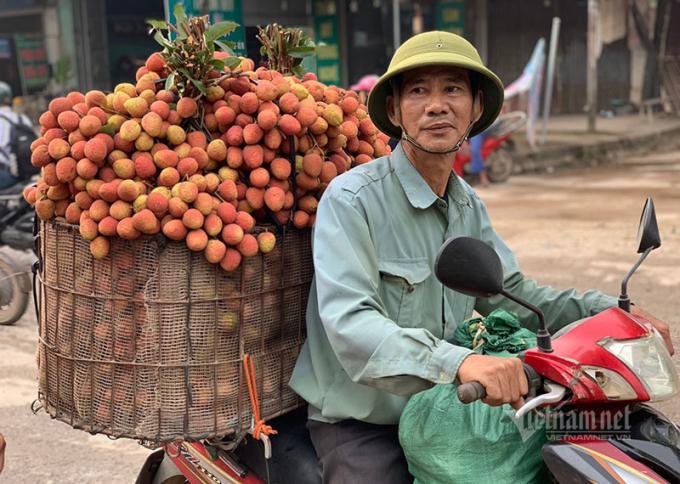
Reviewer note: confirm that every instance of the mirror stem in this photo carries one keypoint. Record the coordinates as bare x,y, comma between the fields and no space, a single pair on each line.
542,335
624,301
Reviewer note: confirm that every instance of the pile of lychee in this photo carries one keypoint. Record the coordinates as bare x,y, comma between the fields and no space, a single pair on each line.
255,148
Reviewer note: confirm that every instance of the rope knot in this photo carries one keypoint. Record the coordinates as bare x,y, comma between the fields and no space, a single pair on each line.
260,427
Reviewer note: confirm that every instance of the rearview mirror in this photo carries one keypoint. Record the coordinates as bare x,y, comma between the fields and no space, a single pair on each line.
648,237
469,266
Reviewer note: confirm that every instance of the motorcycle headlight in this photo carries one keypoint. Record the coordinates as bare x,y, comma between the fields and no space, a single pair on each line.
613,385
649,359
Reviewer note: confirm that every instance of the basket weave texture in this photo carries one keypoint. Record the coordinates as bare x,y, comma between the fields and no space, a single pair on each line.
148,342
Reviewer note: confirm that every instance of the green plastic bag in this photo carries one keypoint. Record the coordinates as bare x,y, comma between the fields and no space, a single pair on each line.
499,334
445,441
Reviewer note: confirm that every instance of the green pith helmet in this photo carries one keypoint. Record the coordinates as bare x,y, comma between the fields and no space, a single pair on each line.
5,93
436,48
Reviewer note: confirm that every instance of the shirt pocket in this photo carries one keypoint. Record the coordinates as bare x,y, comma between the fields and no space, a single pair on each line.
402,288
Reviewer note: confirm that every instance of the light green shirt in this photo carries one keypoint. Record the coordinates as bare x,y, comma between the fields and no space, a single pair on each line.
379,324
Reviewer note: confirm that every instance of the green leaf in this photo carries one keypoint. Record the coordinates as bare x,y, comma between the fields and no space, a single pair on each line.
226,46
180,14
298,71
232,62
301,49
210,46
157,24
200,86
169,81
158,37
109,129
220,29
298,54
217,64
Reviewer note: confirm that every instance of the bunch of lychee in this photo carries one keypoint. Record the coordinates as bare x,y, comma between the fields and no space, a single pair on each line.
257,148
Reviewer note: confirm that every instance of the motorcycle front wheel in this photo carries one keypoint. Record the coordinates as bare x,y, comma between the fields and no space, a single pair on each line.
13,299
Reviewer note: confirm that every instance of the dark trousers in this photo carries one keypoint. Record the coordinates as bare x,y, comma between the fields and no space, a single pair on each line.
354,452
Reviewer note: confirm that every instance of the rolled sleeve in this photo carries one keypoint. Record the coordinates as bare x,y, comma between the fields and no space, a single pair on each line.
446,361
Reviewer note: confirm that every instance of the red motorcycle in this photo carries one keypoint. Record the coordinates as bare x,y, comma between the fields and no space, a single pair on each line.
595,371
497,148
601,366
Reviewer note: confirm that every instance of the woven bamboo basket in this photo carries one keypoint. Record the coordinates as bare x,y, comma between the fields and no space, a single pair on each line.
148,343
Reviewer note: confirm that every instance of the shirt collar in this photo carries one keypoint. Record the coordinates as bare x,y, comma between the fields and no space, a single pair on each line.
418,192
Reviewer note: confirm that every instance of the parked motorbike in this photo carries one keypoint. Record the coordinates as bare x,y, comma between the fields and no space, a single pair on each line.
497,149
607,363
16,232
601,368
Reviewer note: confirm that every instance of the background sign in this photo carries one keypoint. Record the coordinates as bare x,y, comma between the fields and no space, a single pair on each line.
34,69
326,30
451,16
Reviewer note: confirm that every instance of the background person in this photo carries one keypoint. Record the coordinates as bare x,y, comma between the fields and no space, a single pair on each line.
13,126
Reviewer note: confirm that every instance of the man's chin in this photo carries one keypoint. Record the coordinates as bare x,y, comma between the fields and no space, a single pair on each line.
440,145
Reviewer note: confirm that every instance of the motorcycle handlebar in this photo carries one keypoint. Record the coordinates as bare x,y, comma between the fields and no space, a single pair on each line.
472,391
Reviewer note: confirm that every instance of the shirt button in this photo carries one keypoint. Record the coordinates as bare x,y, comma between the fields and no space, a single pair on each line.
410,288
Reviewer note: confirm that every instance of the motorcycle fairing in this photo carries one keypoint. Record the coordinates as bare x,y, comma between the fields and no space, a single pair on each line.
662,459
594,461
196,464
579,347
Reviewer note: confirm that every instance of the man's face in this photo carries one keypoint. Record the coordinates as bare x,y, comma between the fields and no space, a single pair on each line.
436,105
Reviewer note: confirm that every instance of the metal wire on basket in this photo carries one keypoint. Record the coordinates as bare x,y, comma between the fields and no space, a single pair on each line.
147,343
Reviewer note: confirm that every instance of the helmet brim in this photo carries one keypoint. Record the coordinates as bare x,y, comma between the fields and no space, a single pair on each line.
491,86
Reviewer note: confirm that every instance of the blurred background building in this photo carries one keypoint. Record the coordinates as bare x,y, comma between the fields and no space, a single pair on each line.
55,45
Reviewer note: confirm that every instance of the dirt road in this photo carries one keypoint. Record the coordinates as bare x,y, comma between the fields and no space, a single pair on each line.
570,229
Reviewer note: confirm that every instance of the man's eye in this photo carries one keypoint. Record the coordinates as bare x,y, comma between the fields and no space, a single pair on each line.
453,89
417,90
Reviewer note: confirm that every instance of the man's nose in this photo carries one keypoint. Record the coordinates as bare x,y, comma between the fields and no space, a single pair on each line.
437,104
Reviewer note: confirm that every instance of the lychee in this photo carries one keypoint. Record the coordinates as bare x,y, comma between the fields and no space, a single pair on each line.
266,242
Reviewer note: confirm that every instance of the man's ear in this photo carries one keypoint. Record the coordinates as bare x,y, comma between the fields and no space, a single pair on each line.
391,114
478,106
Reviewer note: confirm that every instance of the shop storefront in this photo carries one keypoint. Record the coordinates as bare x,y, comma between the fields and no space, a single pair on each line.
24,62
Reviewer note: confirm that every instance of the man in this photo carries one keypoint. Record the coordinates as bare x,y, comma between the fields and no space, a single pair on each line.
477,166
12,125
379,324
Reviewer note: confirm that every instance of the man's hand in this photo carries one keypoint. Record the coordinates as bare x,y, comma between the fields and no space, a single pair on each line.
2,453
660,326
503,378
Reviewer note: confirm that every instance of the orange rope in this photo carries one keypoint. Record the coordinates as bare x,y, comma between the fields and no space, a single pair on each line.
260,426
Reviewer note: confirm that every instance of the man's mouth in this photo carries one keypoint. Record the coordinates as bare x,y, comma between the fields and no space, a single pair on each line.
439,127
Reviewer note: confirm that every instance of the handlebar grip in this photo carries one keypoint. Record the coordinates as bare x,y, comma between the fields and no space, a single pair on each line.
471,391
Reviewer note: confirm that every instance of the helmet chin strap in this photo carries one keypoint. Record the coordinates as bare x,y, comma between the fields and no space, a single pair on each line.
406,137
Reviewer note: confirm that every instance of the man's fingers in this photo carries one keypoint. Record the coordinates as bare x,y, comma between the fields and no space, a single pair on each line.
523,384
518,403
503,378
669,344
659,325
